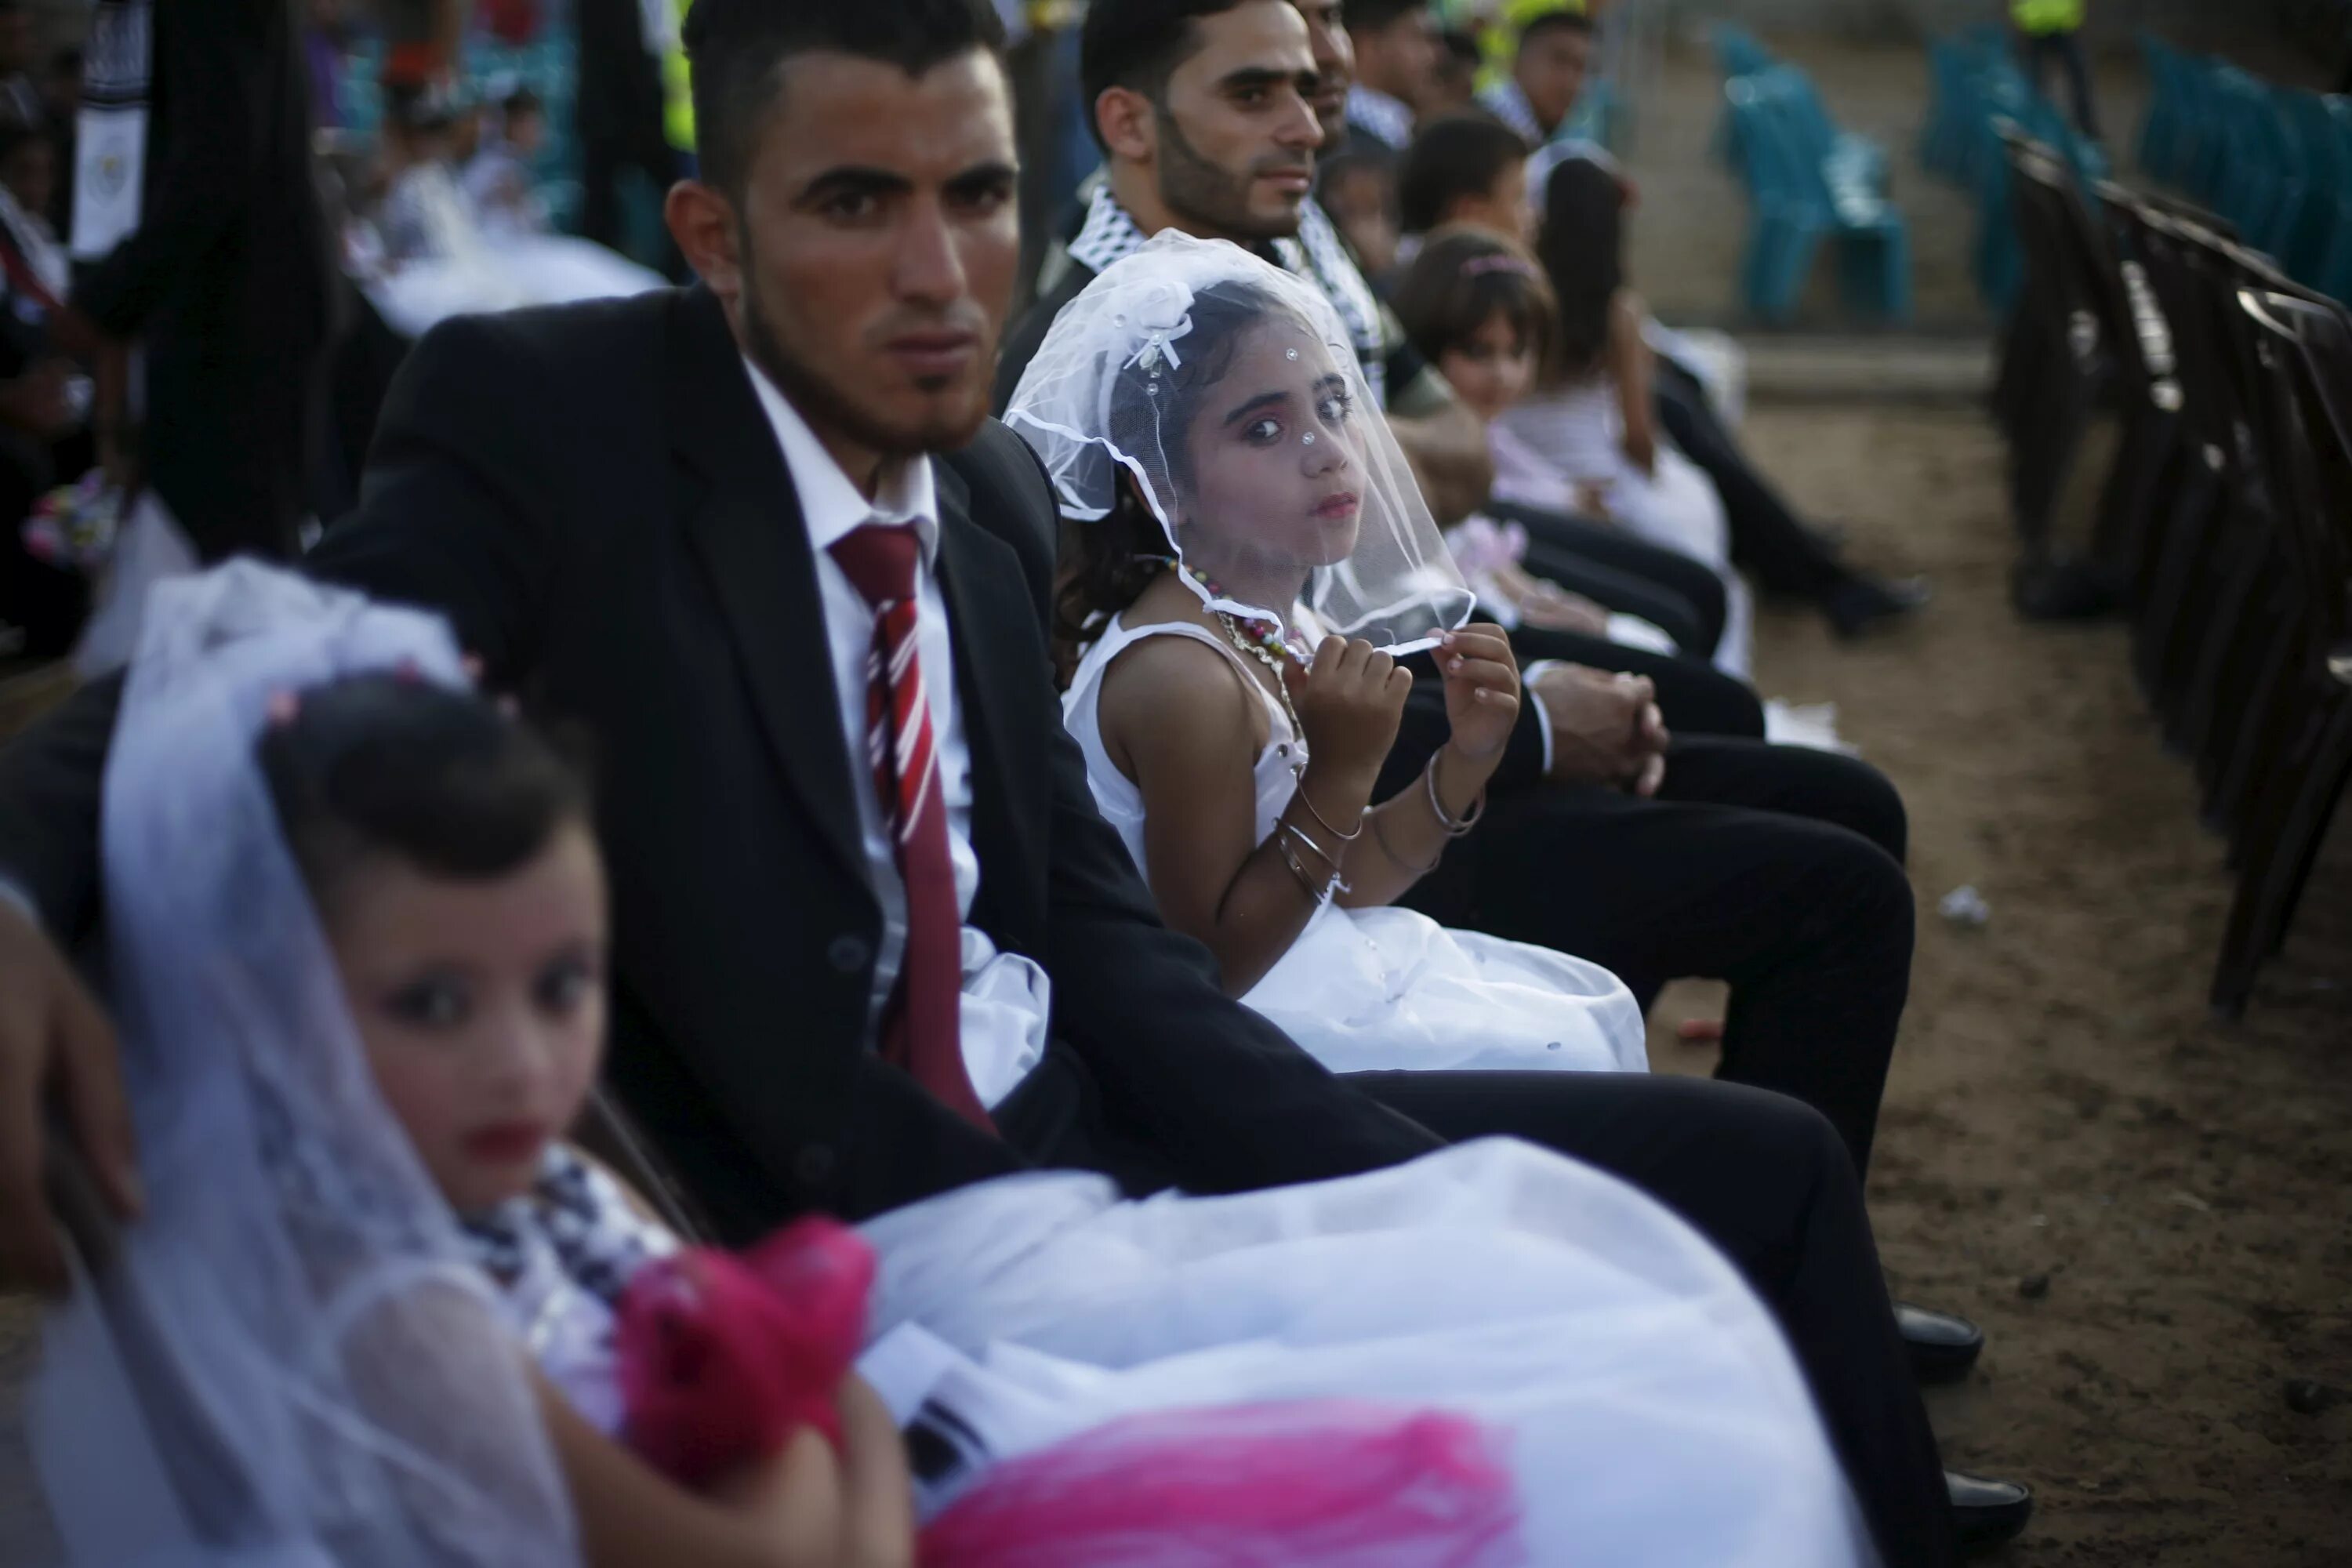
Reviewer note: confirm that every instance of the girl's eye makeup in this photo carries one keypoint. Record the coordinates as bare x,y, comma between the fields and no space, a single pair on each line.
1259,432
1336,409
435,1002
564,985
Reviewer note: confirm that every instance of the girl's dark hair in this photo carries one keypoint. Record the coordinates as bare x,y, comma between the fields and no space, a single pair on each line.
1461,277
1460,155
1581,246
1106,564
387,765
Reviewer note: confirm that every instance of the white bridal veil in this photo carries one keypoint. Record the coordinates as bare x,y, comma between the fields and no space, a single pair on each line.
1229,394
290,1360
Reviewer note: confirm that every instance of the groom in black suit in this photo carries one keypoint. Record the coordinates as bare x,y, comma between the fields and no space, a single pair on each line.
643,516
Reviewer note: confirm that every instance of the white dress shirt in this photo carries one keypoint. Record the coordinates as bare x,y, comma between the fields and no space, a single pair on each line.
1006,998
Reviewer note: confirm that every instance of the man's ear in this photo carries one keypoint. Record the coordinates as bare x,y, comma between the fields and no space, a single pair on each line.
705,224
1128,124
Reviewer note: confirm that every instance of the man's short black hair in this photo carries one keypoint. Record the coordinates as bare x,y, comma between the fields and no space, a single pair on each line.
1376,15
1460,155
1555,22
735,46
1138,45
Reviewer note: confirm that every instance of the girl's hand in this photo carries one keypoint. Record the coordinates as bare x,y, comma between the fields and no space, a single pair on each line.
1482,691
1349,702
795,1495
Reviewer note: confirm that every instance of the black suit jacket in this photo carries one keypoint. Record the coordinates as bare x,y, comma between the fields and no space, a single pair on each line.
594,497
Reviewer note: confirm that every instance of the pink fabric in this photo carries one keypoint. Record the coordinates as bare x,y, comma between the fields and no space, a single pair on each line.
1324,1484
1482,546
722,1358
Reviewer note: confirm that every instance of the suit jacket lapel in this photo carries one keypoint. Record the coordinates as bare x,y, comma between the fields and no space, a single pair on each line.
744,518
980,578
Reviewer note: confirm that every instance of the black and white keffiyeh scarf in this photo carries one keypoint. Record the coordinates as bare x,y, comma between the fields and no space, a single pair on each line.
1315,254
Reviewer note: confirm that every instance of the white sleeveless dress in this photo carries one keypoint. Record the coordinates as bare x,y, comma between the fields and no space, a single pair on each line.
1371,990
1547,445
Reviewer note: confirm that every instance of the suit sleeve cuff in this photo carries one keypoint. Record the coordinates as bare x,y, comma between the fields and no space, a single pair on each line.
1543,714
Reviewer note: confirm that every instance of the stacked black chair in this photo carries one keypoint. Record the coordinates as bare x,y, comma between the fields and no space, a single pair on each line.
2297,732
2223,527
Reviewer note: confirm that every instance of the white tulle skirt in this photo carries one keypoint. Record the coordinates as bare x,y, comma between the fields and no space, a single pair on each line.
1651,1409
503,274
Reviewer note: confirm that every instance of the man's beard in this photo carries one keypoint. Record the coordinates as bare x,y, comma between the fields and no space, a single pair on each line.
824,403
1214,199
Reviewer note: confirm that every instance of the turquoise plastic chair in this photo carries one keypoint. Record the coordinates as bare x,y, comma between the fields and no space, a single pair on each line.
2314,177
2158,151
1846,158
1798,201
550,66
1737,51
1953,107
2334,223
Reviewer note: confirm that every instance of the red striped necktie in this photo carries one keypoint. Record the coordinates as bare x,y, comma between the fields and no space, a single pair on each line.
922,1022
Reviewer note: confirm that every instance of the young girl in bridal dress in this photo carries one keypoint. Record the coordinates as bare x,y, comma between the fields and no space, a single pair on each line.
1587,437
357,938
1251,552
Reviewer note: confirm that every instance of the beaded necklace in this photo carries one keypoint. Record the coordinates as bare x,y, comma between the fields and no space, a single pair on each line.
1258,639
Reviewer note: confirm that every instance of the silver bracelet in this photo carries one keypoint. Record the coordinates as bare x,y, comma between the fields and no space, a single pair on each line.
1306,878
1307,838
1455,828
1305,800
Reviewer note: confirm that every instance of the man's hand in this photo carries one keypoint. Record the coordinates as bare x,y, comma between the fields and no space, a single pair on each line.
1605,727
1447,451
1550,608
53,1037
37,402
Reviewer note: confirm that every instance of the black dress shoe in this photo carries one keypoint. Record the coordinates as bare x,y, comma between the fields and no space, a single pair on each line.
1859,602
1985,1513
1943,1347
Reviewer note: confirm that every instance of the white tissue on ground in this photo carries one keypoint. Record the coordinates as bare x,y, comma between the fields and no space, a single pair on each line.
1964,906
1811,724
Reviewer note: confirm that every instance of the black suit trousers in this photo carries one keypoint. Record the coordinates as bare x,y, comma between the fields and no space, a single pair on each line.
1777,869
1696,698
1679,595
1767,538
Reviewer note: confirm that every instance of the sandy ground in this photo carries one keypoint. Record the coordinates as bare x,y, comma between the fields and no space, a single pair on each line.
2063,1104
